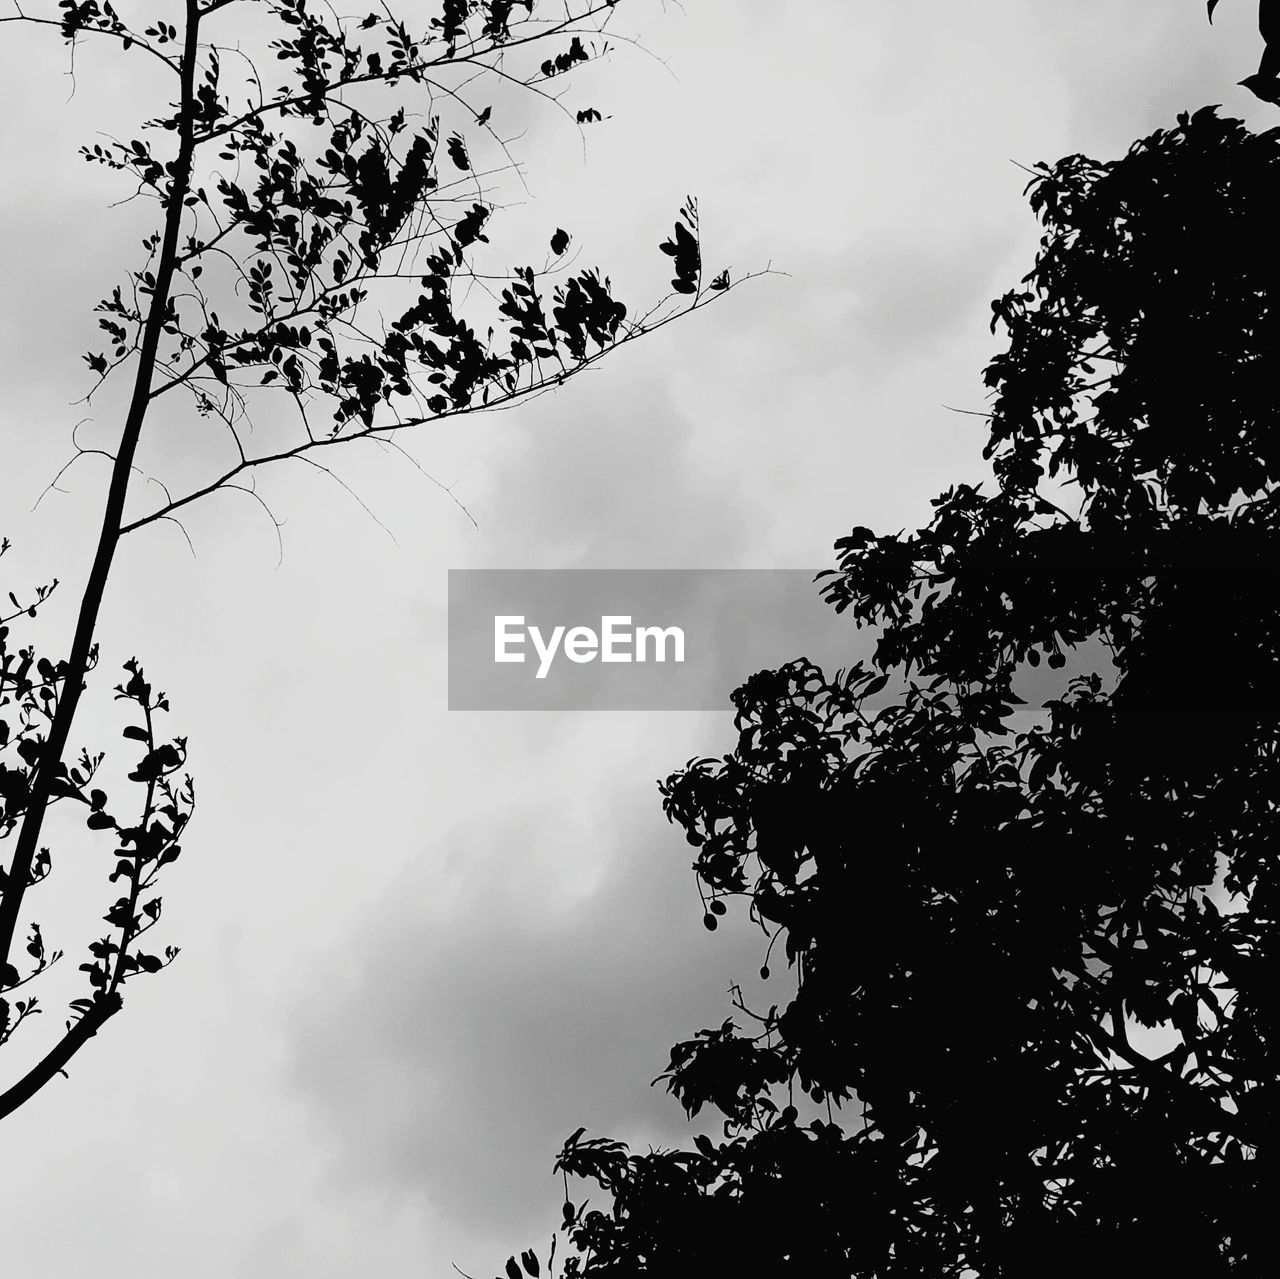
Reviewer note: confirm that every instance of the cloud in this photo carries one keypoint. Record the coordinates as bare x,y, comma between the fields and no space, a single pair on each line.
610,472
465,1043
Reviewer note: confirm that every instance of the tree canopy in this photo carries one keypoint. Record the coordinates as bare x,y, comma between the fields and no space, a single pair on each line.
1035,942
321,186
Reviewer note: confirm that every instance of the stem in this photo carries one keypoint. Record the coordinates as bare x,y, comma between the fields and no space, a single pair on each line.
103,1007
112,516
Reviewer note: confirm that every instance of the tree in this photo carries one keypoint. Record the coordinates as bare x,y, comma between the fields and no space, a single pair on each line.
313,248
1034,1030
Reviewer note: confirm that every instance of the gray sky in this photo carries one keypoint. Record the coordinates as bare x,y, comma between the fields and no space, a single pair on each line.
419,948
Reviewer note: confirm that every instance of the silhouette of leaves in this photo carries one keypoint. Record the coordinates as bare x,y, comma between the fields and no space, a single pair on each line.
458,152
322,201
1026,1032
683,247
31,690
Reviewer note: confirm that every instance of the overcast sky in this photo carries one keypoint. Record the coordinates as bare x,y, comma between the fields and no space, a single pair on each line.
420,948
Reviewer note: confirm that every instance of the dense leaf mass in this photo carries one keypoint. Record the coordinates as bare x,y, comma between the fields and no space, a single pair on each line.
1037,960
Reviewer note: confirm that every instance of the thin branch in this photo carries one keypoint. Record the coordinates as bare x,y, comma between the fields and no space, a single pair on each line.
134,41
395,74
342,484
504,401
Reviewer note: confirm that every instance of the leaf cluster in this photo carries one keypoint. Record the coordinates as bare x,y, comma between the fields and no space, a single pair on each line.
327,244
30,690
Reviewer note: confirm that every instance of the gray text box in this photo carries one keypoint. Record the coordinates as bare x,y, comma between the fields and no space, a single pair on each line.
710,630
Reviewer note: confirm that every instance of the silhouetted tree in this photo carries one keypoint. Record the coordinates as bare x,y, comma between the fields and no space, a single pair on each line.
322,185
1035,1024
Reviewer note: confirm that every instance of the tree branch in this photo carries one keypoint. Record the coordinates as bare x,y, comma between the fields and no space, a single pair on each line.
402,73
378,432
101,31
102,1008
79,661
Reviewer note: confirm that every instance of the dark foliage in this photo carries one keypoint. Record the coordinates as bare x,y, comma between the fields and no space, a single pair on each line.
1037,963
31,688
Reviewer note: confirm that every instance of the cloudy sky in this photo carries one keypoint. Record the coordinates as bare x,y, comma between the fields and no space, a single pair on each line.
419,948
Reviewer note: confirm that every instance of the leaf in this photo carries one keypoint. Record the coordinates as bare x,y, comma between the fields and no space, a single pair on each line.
683,247
470,227
457,150
135,732
156,763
